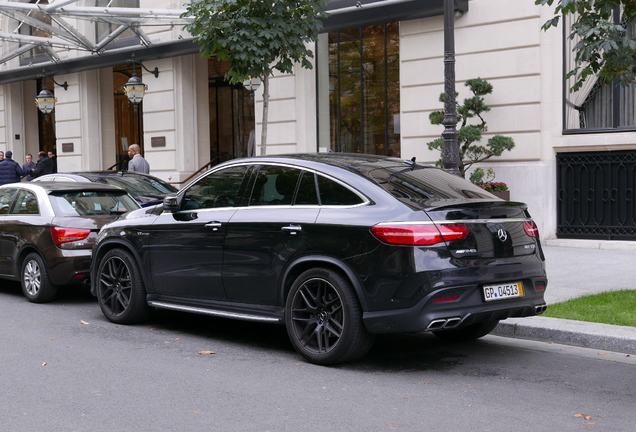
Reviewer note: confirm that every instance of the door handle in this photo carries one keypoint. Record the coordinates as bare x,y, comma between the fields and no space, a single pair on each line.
292,229
215,225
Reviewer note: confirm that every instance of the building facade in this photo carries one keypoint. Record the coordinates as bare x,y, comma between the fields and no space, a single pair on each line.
378,73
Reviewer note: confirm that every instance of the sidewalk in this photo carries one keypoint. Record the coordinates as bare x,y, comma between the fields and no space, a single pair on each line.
575,272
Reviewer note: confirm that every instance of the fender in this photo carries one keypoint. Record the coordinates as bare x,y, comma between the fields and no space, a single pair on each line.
110,243
316,260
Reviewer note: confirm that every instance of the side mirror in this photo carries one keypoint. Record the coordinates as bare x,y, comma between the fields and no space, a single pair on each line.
171,203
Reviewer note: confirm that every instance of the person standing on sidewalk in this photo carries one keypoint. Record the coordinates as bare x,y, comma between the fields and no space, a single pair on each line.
44,165
137,162
10,171
53,157
28,166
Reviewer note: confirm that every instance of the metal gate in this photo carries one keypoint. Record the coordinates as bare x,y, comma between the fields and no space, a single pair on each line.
596,195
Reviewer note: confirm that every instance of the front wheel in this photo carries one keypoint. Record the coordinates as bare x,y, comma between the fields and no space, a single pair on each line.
468,333
36,285
324,319
120,289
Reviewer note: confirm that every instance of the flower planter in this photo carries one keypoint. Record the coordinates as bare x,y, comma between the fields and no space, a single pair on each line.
504,195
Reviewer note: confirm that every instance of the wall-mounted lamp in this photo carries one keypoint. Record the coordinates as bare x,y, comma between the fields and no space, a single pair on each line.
252,84
135,89
45,101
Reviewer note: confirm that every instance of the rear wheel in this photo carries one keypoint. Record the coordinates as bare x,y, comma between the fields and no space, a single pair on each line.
468,333
36,285
324,319
120,289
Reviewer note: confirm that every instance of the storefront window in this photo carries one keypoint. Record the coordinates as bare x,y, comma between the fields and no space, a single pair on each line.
363,90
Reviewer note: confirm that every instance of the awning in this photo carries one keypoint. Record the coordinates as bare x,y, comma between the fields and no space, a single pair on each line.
112,51
345,14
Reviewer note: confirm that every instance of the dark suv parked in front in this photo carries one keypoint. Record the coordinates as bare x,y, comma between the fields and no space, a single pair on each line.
337,247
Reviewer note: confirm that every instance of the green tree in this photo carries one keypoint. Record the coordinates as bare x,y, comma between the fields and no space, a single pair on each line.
256,37
604,47
470,151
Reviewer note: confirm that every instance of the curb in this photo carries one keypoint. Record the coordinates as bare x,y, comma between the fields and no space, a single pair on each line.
568,332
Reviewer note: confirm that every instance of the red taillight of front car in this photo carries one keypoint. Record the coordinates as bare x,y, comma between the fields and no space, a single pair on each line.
419,234
531,228
68,235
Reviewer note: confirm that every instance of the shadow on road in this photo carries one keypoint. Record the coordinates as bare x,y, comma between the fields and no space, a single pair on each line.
390,353
65,294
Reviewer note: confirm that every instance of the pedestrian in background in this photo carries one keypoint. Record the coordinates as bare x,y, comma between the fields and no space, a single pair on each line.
43,166
1,155
28,166
10,170
53,157
137,163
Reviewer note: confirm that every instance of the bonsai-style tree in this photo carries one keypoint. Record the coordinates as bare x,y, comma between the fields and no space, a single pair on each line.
257,37
470,151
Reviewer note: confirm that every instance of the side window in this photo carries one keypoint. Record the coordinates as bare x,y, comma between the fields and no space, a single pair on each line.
274,185
333,193
307,191
25,203
219,189
6,196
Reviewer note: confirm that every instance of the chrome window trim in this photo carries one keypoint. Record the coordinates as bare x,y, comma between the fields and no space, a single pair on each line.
365,200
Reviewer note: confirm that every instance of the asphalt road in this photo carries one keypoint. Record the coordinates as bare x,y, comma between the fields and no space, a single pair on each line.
63,367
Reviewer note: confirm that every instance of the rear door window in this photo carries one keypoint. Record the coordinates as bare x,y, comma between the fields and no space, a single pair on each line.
26,203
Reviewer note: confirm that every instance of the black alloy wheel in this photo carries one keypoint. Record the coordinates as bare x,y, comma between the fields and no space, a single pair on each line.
324,319
36,285
468,333
120,289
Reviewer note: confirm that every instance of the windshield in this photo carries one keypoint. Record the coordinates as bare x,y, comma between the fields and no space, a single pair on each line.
138,185
90,203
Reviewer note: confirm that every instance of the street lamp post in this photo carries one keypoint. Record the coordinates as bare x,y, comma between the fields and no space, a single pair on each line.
450,154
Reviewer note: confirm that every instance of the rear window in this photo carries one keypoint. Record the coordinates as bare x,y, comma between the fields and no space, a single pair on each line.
139,185
426,183
92,203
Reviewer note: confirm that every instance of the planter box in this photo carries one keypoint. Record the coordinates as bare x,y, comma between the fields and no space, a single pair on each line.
504,195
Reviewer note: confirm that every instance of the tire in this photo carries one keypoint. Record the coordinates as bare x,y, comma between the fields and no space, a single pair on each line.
468,333
120,289
324,319
36,285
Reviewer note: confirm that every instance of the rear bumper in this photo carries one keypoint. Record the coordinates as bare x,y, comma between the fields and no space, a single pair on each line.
69,266
468,309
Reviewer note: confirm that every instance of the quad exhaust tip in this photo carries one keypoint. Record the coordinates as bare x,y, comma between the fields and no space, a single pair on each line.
444,323
540,309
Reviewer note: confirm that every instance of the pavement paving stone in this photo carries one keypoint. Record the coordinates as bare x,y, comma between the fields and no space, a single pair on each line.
575,272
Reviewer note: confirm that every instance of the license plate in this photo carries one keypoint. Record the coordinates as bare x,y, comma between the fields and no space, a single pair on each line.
503,291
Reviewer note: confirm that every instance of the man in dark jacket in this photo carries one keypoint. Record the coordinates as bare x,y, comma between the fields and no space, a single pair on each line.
43,166
10,170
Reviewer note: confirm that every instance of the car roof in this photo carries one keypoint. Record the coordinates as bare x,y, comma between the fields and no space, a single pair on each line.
361,164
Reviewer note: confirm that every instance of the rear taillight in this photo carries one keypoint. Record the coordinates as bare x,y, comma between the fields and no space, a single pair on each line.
531,228
68,235
419,234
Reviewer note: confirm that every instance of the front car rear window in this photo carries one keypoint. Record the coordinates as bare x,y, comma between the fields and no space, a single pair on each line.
426,183
92,203
138,185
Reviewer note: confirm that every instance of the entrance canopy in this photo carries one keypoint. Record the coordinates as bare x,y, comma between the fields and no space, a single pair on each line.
43,33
